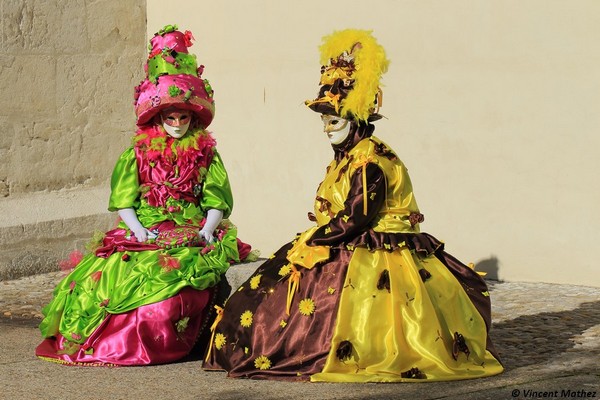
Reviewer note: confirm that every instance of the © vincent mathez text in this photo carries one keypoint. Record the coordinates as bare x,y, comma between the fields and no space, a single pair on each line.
557,394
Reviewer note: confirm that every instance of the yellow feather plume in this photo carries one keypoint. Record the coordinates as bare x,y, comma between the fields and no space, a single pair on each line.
370,61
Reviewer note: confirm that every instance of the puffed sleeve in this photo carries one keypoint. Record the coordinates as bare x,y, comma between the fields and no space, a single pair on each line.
312,246
216,190
124,183
352,220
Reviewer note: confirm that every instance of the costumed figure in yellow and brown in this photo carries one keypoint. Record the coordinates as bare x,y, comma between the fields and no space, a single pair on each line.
363,296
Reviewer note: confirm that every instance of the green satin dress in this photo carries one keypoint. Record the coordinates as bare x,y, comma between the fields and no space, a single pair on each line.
168,191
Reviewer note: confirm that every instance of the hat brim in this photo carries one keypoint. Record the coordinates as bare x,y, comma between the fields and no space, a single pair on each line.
328,109
203,110
186,92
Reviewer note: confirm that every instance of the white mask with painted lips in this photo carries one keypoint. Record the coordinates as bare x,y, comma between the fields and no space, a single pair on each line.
176,132
176,123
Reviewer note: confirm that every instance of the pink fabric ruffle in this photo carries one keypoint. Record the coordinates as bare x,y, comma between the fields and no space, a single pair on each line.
156,333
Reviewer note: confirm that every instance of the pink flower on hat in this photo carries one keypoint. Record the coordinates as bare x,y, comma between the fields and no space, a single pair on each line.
187,38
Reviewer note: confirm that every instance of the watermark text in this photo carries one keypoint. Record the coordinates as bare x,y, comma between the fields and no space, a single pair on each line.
554,394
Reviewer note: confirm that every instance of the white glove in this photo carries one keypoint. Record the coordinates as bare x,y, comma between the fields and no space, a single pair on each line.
133,223
213,219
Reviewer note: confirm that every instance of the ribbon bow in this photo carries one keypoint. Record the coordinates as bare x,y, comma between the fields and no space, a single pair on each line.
213,329
293,283
333,99
362,162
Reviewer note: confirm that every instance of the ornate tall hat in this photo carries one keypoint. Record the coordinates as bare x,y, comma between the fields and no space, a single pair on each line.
353,63
173,78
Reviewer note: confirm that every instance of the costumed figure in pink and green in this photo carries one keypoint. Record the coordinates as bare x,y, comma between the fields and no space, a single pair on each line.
147,291
363,295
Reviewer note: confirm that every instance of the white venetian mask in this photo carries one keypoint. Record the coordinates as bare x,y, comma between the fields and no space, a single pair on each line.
176,123
336,128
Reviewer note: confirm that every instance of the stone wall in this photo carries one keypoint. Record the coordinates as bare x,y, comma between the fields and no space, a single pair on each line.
68,68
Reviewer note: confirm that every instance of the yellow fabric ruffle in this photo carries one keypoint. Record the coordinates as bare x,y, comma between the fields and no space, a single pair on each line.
307,256
411,326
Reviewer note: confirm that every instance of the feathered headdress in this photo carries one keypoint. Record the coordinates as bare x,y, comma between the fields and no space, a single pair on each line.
353,63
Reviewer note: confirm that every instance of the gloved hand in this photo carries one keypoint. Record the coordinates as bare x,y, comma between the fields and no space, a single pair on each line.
213,219
133,223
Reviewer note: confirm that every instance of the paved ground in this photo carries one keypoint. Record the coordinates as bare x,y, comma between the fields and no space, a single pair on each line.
548,337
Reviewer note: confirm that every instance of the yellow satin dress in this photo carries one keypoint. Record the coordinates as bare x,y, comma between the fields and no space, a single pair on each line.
406,333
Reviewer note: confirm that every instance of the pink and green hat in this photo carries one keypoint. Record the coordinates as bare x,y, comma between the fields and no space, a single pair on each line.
173,79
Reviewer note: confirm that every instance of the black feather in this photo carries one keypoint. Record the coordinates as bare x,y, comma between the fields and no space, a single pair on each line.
344,350
424,274
413,373
384,280
459,346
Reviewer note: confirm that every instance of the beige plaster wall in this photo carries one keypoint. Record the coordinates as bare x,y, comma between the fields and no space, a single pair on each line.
67,69
493,106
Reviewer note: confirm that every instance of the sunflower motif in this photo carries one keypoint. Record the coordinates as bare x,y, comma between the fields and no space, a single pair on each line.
220,341
307,306
285,270
246,318
255,281
262,362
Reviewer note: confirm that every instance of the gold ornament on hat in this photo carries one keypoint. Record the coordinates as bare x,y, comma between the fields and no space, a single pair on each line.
353,63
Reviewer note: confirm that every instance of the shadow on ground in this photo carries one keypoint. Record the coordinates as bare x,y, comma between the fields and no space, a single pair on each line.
529,339
522,341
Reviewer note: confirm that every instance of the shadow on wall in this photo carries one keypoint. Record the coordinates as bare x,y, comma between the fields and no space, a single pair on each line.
489,266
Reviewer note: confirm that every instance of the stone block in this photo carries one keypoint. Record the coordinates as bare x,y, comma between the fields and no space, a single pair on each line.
8,133
44,27
4,186
6,61
38,248
118,75
43,157
117,26
101,85
77,79
29,87
239,273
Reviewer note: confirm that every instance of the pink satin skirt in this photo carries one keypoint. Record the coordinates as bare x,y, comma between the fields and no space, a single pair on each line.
151,334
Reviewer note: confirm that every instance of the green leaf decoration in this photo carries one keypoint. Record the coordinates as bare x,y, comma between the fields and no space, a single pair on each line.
168,29
182,324
208,87
174,91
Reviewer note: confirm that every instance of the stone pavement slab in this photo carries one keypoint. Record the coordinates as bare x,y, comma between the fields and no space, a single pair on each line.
25,377
548,337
